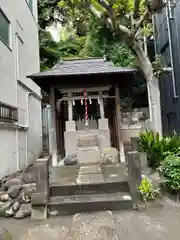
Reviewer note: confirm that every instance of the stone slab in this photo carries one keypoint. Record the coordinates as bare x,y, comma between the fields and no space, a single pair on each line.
89,156
87,140
134,172
134,143
113,154
39,198
143,160
70,126
90,198
90,178
88,226
39,213
103,123
90,169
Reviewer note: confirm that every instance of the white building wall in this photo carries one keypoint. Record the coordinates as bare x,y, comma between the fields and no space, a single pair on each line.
20,143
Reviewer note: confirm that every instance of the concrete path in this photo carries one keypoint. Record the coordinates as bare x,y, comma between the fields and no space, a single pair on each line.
160,221
89,226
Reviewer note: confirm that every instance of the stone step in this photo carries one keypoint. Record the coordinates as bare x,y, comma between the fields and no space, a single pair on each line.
105,187
88,226
69,205
89,156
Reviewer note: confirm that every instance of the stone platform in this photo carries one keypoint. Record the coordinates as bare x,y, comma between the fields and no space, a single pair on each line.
68,175
68,190
76,189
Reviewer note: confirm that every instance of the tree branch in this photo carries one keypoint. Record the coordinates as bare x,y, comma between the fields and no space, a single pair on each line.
104,4
110,12
136,8
108,21
95,12
139,23
125,30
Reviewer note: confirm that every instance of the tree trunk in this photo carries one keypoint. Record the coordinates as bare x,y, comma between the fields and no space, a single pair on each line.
152,87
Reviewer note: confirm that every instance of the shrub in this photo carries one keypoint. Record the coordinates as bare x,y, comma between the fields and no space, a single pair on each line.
150,143
147,191
170,170
157,148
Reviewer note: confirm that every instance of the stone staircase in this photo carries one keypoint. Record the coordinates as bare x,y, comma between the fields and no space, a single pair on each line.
92,190
86,187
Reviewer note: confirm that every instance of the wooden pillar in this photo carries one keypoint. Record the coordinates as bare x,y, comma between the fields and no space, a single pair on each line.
70,108
60,129
118,122
101,105
57,133
53,130
60,135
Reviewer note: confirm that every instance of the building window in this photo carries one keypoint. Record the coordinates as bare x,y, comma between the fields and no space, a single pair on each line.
8,113
30,3
4,28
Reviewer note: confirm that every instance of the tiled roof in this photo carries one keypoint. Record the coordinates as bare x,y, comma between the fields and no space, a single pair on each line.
82,67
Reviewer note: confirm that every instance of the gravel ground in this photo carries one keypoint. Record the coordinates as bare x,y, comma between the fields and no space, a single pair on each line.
160,221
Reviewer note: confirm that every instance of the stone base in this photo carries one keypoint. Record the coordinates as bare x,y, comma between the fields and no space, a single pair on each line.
88,156
90,170
90,178
70,126
103,123
143,160
39,213
112,153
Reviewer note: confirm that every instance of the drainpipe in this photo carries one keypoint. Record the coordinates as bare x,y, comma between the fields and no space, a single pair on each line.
17,76
17,148
169,18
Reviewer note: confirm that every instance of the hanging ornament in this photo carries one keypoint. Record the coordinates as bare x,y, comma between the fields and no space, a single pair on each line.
73,103
98,100
86,108
90,101
81,101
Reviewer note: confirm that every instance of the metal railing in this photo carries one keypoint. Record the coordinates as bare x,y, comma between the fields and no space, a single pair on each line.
8,113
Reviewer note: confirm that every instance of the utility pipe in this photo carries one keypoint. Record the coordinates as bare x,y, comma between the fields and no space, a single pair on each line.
168,16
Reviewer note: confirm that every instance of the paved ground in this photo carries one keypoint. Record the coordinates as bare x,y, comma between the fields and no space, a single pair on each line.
160,221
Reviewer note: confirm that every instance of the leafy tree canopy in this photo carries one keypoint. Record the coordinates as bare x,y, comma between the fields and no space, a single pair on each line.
91,29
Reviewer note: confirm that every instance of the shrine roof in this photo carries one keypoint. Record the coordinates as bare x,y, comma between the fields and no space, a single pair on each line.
81,67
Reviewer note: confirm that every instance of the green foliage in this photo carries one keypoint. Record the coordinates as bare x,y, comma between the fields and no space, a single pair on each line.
147,191
86,36
49,13
150,143
100,41
158,65
170,170
49,53
157,148
120,55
